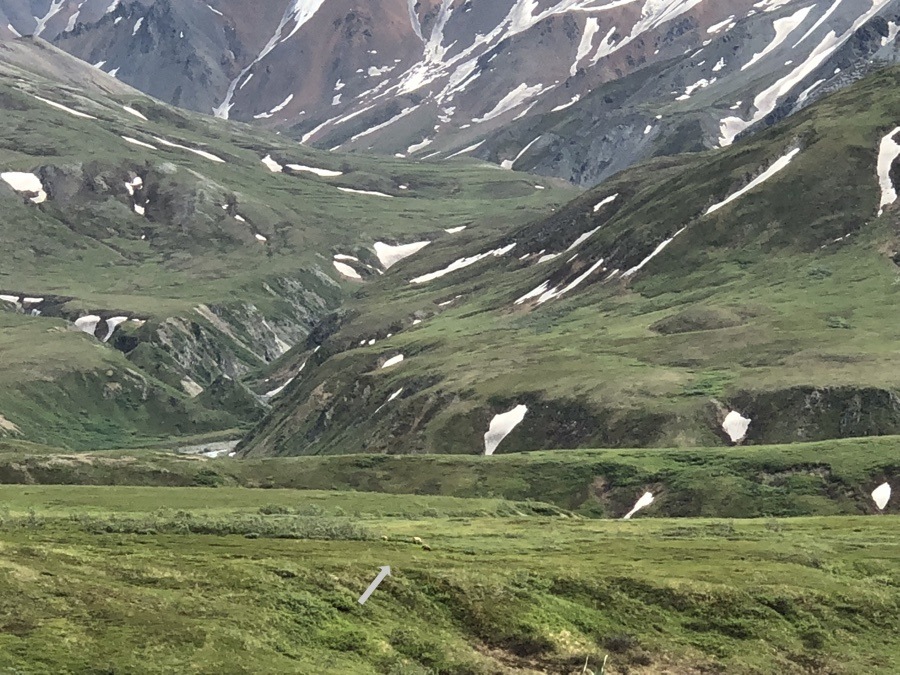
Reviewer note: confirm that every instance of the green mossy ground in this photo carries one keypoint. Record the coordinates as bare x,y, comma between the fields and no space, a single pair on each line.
500,588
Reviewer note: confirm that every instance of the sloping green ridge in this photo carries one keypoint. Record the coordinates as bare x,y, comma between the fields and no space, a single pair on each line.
781,305
830,478
194,249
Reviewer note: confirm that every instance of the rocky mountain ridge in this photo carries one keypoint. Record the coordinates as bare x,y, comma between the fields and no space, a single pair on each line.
578,89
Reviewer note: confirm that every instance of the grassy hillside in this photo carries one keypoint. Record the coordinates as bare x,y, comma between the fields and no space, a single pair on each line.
832,478
779,304
267,581
219,263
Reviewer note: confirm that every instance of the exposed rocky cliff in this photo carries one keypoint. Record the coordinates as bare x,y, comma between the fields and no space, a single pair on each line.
573,88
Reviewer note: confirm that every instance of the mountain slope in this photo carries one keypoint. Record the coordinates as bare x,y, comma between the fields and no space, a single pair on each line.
668,307
201,250
521,82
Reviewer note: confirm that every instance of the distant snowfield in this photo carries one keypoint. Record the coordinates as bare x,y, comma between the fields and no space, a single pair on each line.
60,106
324,173
783,29
136,113
778,165
604,202
111,324
736,425
390,398
88,324
881,495
271,164
135,141
544,293
767,100
888,152
371,193
518,96
21,181
501,426
462,263
393,361
645,501
659,249
390,255
201,153
346,270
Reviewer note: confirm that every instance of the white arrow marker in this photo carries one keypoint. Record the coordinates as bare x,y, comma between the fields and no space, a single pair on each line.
385,572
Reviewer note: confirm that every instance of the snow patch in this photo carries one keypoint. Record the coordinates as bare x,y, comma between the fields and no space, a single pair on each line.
201,153
389,255
510,163
777,166
591,27
881,495
393,361
298,12
111,324
136,113
88,324
512,100
346,270
783,28
645,501
464,150
21,181
608,200
462,263
135,141
557,292
501,426
736,425
60,106
659,249
324,173
888,152
371,193
415,147
272,165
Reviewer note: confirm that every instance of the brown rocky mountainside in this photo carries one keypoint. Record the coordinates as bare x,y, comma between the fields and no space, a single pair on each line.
574,88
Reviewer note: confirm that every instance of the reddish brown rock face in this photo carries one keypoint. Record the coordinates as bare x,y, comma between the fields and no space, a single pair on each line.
427,78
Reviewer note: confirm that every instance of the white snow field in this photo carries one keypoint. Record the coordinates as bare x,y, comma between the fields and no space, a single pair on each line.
21,181
389,254
736,425
777,166
645,501
888,152
501,426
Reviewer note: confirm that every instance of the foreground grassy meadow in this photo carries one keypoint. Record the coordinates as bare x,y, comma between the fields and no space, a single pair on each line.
128,579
